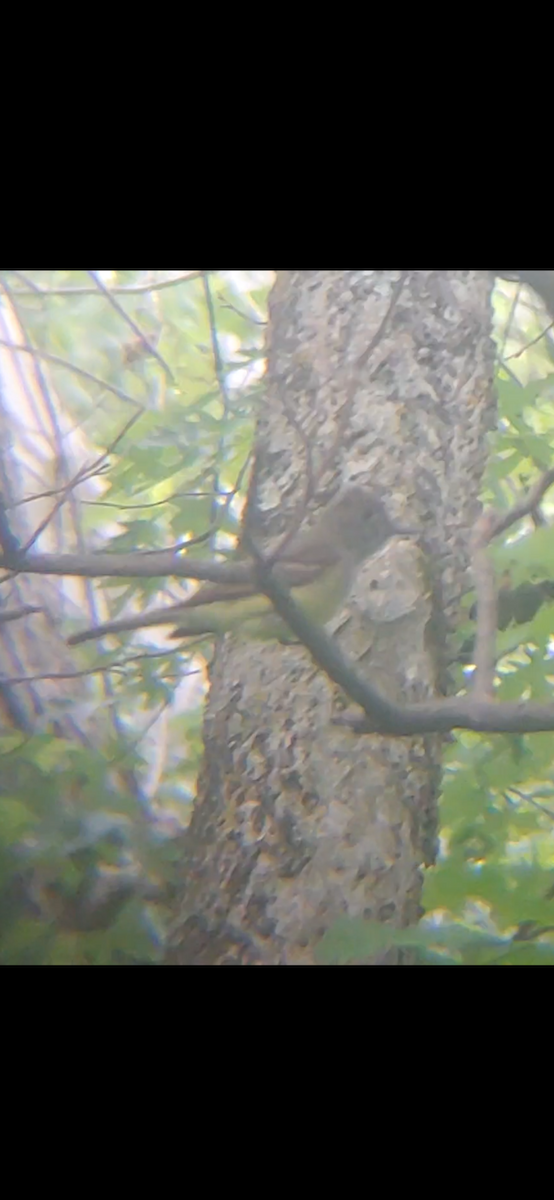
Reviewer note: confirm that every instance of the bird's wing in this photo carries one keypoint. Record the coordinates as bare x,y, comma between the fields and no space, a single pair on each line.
310,550
211,593
292,574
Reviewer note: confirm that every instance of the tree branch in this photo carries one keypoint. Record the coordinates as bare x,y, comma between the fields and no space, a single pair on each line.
487,609
383,715
129,289
524,508
69,366
145,565
144,341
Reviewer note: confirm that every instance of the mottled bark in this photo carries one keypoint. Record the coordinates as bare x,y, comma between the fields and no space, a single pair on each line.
297,821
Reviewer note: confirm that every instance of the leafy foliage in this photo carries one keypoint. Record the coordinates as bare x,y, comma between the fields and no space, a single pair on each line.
89,833
90,828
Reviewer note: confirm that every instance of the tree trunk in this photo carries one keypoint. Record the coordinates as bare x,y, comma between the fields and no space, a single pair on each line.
383,377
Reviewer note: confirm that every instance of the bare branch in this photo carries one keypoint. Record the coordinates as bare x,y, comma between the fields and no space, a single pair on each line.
529,800
15,614
499,522
9,544
382,715
490,525
533,342
139,565
69,366
122,505
487,609
130,289
132,325
461,712
511,315
101,668
82,474
217,515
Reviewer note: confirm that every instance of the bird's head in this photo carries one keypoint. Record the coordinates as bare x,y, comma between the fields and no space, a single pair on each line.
361,522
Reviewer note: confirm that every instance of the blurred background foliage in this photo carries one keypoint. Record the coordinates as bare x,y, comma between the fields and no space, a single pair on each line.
161,379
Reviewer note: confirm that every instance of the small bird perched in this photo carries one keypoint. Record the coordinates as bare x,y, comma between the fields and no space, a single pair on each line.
317,565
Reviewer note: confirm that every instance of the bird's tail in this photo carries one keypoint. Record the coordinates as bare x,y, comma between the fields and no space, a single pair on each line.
161,616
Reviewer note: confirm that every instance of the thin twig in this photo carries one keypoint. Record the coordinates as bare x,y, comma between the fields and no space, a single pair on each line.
15,614
245,316
222,384
489,526
44,388
100,669
118,308
51,492
83,472
220,511
30,286
487,612
129,289
499,522
9,544
69,366
533,342
40,378
530,800
511,374
122,506
511,314
132,744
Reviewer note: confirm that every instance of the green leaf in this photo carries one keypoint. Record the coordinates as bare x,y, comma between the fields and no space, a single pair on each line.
16,819
351,939
531,554
514,399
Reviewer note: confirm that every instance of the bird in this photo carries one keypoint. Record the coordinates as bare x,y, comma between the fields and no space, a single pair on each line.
318,565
